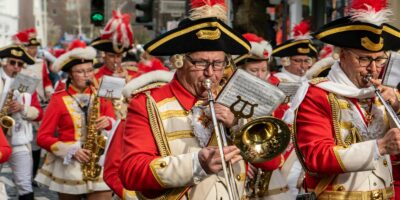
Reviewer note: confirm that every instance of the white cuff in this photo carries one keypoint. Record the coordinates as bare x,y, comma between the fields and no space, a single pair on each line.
198,172
377,155
71,152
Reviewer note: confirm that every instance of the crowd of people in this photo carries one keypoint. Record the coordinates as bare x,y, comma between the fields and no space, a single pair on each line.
158,141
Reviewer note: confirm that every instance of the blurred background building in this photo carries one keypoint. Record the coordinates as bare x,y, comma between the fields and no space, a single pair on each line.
61,21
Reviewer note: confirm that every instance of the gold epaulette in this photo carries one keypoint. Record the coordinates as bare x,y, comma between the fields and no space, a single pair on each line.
317,80
148,87
132,68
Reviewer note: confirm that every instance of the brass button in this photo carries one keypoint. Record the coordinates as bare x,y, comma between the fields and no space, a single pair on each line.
187,112
385,163
238,177
163,164
376,195
340,188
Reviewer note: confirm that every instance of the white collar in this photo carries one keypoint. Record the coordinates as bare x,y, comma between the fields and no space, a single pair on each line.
340,84
284,74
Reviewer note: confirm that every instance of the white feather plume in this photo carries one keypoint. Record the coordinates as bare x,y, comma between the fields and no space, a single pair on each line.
370,15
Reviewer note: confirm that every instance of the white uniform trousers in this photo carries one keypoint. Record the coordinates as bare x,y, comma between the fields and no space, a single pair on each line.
21,165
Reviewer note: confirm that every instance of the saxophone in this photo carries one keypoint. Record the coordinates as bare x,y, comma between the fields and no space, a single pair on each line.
6,122
95,142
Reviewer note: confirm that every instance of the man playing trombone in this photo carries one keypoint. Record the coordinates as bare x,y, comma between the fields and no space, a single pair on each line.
342,130
170,149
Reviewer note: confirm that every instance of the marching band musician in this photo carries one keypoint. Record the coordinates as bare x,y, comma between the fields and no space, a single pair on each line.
342,130
256,63
72,112
115,40
296,54
39,71
142,83
170,151
24,108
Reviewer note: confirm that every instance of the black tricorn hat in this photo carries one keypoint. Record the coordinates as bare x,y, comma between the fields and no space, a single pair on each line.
17,52
295,47
365,28
204,34
33,42
345,32
107,46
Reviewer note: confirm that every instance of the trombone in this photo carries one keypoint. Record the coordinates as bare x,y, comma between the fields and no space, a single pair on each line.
221,140
258,140
388,107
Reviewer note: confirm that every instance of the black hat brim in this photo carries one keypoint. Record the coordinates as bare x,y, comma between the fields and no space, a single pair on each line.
33,42
208,34
70,63
346,33
295,47
106,45
17,52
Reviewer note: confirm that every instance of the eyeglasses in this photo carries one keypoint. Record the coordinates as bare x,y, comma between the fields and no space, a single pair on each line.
203,64
13,63
366,61
83,72
307,61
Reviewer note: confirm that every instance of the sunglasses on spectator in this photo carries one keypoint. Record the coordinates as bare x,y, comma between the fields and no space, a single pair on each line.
13,63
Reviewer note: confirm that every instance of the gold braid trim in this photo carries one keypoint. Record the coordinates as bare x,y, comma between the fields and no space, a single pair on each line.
163,147
335,107
156,126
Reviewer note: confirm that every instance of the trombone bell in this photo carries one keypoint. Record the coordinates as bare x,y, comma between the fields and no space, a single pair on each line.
262,139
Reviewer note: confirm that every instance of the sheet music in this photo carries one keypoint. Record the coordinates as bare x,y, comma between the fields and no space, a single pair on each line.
111,87
25,84
289,89
391,75
245,91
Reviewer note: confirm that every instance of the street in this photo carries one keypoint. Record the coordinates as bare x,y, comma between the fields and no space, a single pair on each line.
41,192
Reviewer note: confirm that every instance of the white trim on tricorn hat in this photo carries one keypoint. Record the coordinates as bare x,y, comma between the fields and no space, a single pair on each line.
139,84
76,55
260,49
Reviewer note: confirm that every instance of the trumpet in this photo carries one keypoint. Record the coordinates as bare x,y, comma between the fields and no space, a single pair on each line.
388,107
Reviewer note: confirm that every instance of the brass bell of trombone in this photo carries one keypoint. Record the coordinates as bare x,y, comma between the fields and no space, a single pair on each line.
262,139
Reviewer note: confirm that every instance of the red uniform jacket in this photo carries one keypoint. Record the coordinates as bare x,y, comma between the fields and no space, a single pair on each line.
58,117
139,146
315,135
47,85
152,65
113,161
5,148
105,71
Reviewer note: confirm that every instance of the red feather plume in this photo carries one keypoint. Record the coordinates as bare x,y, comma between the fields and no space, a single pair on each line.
252,37
76,44
21,37
199,3
302,28
31,32
376,4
